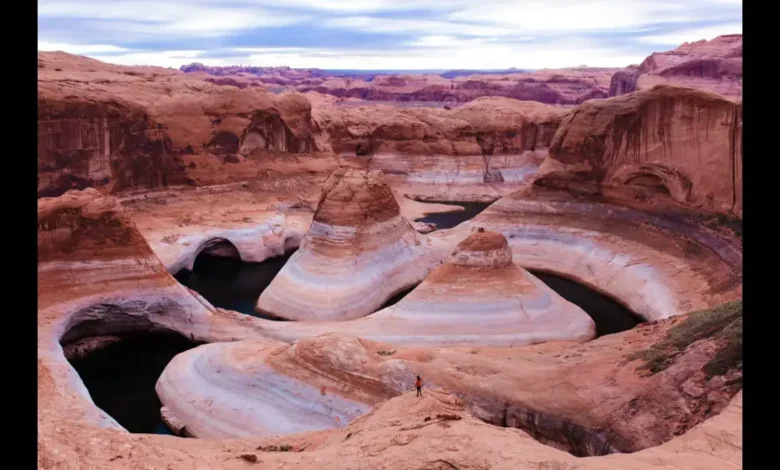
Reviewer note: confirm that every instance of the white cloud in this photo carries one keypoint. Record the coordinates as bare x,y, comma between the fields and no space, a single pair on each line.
690,35
165,18
174,59
361,6
535,15
79,49
444,41
392,25
431,34
434,54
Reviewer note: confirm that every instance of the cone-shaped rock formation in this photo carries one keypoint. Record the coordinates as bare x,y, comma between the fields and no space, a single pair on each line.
479,295
358,253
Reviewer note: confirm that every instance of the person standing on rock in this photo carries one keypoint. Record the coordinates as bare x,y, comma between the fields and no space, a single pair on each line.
418,384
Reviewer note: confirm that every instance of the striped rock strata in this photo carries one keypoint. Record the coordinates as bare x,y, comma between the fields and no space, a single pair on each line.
359,251
591,398
98,277
275,234
259,388
479,297
490,140
656,263
714,66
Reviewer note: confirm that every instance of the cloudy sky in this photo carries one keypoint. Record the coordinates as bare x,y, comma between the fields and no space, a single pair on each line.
381,34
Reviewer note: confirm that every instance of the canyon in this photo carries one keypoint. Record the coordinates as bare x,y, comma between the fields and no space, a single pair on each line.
627,182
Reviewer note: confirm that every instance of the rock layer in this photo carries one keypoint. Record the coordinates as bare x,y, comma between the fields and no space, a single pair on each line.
358,252
667,145
270,405
714,66
487,140
225,389
98,277
479,297
142,127
656,262
79,280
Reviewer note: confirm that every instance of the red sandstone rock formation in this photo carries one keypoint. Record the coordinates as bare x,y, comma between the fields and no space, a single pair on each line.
128,127
664,145
96,274
714,66
489,138
358,252
118,128
620,393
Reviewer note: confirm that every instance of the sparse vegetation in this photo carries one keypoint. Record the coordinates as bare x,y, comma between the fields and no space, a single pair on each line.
385,352
722,323
733,223
449,417
274,448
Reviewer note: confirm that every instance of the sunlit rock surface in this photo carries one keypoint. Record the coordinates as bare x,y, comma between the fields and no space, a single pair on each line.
358,252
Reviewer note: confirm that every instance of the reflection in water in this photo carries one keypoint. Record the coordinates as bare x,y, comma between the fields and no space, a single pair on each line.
121,377
443,220
232,284
610,316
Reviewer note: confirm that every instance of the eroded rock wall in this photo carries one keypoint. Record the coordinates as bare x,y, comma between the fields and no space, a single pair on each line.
714,66
664,144
489,139
119,128
84,144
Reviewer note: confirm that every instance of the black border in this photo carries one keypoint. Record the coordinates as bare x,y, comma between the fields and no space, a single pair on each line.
754,190
22,311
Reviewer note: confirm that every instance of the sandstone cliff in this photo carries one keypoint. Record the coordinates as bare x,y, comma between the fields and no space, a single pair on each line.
117,128
127,127
485,140
714,66
663,144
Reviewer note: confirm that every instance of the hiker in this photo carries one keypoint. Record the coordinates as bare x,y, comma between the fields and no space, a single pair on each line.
418,384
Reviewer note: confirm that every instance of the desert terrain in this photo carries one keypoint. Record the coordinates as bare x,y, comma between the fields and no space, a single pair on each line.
625,182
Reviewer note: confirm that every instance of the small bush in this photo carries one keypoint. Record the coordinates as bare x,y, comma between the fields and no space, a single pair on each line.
281,448
722,323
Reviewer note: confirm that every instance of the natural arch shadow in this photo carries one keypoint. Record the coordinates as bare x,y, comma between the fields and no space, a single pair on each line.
610,316
219,248
230,283
121,378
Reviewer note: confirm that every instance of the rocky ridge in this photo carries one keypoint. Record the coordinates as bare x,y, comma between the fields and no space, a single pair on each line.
551,86
714,66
